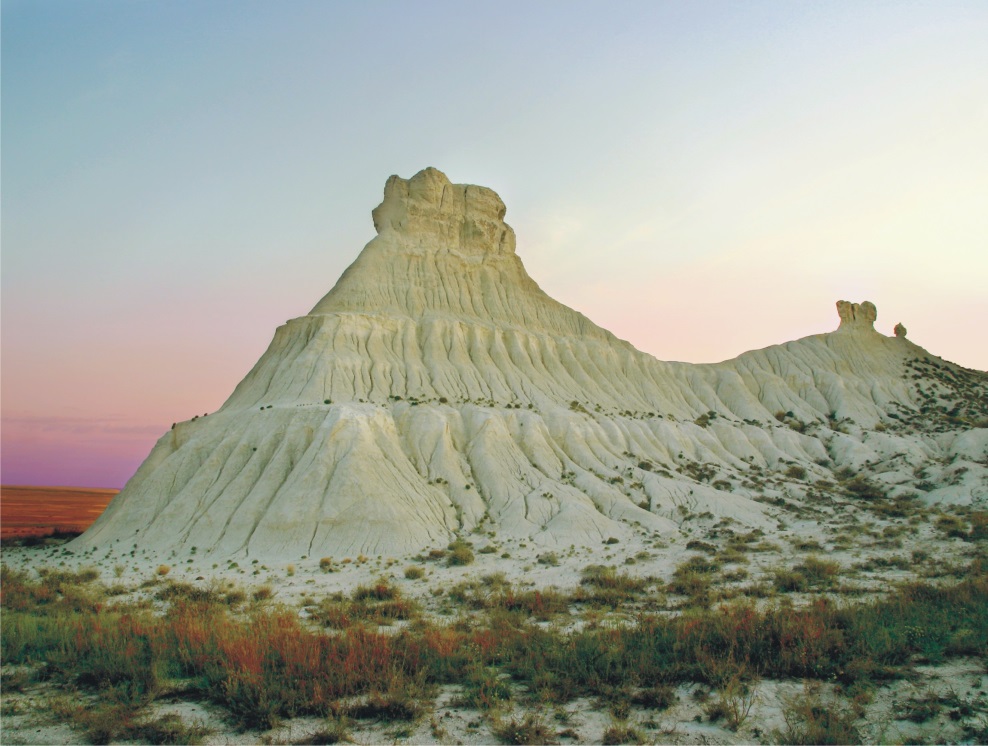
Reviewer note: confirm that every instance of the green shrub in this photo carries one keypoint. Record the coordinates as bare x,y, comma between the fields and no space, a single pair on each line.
656,697
529,730
621,733
952,526
811,573
460,553
336,731
483,688
796,472
811,721
542,604
863,489
391,706
604,586
382,590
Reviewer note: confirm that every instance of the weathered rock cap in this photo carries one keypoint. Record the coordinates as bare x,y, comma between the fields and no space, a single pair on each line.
429,210
857,315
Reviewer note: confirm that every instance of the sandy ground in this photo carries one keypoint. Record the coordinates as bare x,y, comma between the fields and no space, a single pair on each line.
581,721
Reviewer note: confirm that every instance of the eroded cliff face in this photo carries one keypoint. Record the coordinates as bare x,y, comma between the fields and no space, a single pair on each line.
437,390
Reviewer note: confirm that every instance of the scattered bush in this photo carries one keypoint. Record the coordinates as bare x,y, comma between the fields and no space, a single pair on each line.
605,586
271,664
952,526
529,730
382,590
864,489
657,697
460,553
621,733
809,720
391,706
811,573
334,732
796,472
734,703
541,605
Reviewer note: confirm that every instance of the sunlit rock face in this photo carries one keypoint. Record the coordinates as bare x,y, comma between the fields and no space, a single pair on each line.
857,315
436,390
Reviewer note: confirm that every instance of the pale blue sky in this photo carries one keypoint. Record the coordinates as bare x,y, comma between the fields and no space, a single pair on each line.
701,178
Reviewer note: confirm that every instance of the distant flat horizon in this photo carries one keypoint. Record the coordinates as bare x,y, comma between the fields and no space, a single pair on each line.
34,510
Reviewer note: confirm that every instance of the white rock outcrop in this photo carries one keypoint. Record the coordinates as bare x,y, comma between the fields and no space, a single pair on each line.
437,390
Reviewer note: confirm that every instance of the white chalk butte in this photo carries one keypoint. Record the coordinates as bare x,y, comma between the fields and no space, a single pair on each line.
437,390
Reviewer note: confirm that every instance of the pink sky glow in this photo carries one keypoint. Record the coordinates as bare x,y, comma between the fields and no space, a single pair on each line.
700,178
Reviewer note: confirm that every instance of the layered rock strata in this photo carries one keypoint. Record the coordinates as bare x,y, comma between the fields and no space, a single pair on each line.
437,390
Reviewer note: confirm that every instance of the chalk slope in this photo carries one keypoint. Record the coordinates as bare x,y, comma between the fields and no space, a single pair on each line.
437,390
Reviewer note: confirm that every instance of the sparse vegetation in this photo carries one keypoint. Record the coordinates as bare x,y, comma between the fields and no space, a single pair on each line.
796,472
811,573
531,729
605,586
811,720
265,663
460,553
621,733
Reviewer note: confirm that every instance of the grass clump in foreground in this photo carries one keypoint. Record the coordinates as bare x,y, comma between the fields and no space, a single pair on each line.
811,720
531,729
264,663
113,721
380,603
602,585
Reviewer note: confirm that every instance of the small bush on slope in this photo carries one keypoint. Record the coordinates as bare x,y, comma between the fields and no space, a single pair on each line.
460,553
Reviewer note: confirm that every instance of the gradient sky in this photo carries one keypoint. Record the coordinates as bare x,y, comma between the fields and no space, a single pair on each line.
701,178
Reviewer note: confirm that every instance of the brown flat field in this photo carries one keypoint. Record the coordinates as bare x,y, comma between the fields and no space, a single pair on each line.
39,511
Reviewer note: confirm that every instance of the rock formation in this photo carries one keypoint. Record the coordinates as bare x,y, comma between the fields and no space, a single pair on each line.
861,315
437,390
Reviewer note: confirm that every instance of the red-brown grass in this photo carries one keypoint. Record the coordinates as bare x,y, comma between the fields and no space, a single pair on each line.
43,511
269,663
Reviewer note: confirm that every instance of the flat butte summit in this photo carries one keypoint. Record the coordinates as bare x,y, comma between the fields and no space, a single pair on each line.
437,391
